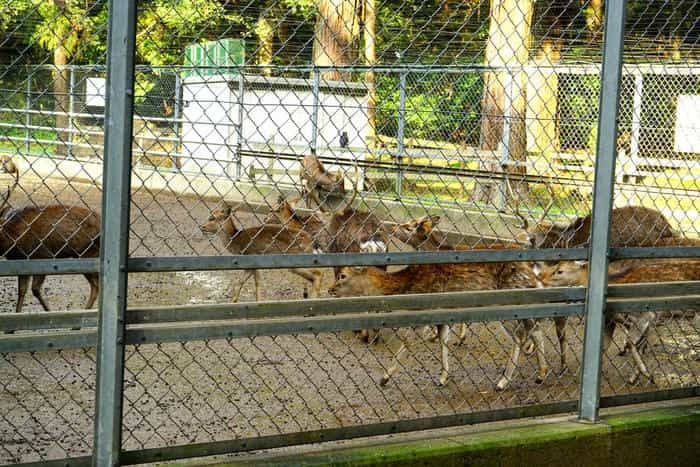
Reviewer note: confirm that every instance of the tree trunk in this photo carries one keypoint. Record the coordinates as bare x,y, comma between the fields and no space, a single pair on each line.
543,137
509,35
61,85
594,20
370,60
266,36
336,35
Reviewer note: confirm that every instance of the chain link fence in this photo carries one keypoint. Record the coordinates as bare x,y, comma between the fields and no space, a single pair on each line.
426,170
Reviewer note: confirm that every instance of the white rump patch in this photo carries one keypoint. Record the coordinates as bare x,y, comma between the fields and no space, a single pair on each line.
373,246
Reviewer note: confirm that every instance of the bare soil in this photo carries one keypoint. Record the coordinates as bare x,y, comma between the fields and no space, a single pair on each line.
180,393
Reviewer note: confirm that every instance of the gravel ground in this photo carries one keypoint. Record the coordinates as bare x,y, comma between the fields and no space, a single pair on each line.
205,391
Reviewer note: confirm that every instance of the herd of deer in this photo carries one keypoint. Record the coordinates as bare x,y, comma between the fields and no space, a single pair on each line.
58,231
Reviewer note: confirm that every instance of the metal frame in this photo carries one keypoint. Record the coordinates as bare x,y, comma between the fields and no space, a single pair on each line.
115,326
115,232
611,74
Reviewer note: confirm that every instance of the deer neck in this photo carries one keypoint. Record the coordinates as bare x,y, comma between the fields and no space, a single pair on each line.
390,283
228,230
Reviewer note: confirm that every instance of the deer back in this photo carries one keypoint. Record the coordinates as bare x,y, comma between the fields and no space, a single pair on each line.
53,231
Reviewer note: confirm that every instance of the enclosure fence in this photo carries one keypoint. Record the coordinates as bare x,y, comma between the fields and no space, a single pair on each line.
500,197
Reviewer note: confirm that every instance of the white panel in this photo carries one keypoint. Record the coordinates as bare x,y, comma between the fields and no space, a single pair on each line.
687,138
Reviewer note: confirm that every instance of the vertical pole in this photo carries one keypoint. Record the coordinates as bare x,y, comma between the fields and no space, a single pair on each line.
400,133
596,292
239,125
177,114
27,114
115,232
71,109
314,110
636,116
505,138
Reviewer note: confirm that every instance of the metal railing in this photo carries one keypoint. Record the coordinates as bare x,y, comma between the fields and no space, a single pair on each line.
164,381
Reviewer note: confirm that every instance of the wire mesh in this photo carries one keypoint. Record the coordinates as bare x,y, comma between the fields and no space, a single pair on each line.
338,126
47,403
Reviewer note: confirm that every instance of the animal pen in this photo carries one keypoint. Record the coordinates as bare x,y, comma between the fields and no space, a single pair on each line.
446,142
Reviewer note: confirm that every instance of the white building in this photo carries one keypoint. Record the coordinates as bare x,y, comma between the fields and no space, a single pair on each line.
277,128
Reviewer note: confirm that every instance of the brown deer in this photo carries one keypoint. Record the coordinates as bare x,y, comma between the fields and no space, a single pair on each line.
265,239
345,230
47,232
630,226
575,273
430,278
317,182
421,234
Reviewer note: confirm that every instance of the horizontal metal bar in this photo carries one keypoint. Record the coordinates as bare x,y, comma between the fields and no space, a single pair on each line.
650,396
148,334
28,267
657,289
335,434
47,341
661,296
655,252
84,461
47,320
691,302
277,261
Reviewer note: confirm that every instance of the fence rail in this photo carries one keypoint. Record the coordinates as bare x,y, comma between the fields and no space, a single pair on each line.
520,181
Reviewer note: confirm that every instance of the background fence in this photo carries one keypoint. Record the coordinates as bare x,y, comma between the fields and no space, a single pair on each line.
482,113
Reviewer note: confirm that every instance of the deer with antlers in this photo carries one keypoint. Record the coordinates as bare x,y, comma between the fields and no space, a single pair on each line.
265,239
47,232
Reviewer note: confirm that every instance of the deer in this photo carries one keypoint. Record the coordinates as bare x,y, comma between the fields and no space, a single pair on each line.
317,182
432,278
264,239
575,273
421,234
47,232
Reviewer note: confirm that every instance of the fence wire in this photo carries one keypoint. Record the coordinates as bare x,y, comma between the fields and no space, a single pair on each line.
297,127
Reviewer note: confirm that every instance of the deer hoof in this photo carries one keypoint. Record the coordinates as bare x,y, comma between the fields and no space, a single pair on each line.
529,348
384,380
443,379
502,384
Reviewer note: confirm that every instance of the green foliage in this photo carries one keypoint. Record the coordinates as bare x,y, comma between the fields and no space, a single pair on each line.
438,107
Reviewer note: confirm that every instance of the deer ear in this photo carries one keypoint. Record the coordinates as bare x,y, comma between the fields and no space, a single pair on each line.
581,263
435,219
359,268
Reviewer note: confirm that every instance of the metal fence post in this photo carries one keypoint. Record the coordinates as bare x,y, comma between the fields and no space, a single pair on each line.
508,99
596,292
177,117
71,109
239,126
115,232
636,116
314,110
27,114
400,133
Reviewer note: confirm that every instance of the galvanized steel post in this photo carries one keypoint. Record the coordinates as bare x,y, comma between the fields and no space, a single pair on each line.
239,125
115,232
27,114
596,294
314,109
400,133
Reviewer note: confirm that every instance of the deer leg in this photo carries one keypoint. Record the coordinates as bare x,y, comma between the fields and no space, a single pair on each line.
258,292
560,324
462,333
237,291
510,367
394,365
37,282
444,333
22,286
538,339
94,281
